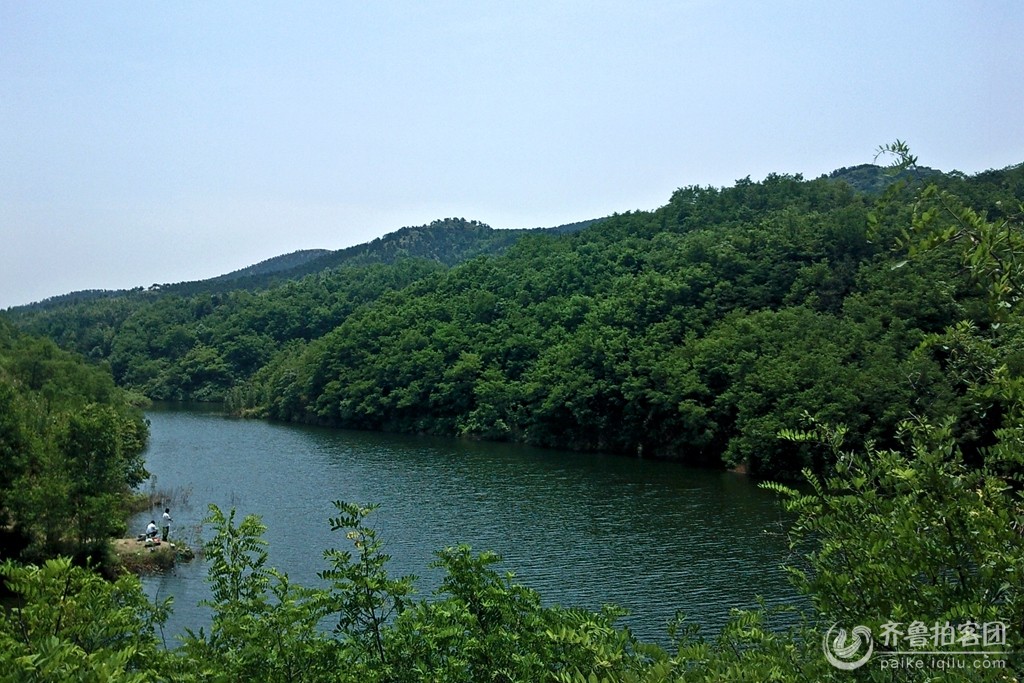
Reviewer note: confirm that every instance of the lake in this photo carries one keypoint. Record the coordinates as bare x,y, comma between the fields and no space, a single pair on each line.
582,529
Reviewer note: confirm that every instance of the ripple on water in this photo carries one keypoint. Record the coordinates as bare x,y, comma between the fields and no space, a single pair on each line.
583,530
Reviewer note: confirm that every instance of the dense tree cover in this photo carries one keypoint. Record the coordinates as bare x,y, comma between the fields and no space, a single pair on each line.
927,529
873,179
692,332
70,451
170,347
696,332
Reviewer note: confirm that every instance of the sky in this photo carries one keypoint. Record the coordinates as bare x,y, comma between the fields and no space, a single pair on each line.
145,143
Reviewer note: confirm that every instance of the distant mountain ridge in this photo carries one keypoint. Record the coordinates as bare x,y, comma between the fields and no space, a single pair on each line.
273,265
448,241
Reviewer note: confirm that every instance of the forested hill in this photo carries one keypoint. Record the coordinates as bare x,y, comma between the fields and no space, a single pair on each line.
448,241
696,331
273,266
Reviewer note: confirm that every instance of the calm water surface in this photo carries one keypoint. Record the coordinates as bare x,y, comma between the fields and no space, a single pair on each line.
584,530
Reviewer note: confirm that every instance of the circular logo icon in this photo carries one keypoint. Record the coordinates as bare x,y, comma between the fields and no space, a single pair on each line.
842,651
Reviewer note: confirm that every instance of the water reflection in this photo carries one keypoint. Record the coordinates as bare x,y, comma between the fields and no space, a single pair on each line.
582,529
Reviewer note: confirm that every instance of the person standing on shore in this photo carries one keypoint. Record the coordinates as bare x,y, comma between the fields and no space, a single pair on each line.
166,529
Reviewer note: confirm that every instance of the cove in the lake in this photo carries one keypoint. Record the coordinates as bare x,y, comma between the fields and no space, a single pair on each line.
582,529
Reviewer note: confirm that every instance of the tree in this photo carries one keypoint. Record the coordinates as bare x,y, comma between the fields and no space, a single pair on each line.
264,626
69,624
71,449
364,596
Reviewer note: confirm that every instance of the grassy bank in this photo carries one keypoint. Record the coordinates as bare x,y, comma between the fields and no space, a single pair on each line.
139,558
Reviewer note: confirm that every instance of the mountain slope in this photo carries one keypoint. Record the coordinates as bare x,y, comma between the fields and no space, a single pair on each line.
448,241
277,264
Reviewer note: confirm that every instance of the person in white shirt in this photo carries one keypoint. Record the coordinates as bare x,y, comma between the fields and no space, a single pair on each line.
166,530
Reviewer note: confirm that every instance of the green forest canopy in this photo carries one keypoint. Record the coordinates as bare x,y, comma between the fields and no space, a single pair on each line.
693,332
70,451
928,530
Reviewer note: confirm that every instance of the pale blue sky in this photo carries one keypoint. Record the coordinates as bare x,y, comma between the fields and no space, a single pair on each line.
145,142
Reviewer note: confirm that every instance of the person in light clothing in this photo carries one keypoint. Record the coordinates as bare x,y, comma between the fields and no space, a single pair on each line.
166,529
